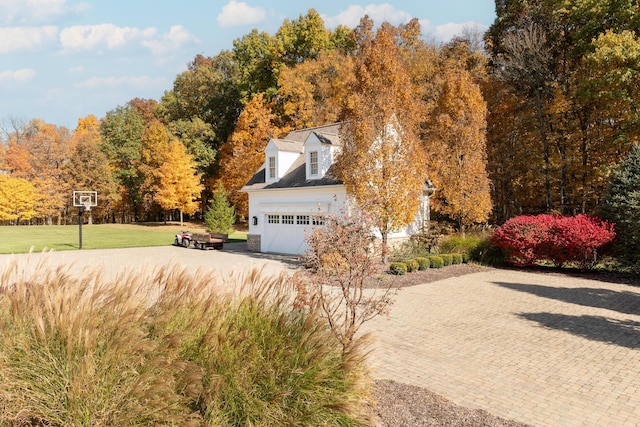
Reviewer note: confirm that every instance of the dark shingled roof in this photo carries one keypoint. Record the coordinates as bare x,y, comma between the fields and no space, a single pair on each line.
296,176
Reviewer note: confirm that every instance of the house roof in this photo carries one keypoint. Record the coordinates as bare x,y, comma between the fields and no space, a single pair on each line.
327,134
296,176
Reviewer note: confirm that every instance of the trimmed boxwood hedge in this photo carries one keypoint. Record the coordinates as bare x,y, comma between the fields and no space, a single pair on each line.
398,268
436,261
412,265
423,263
447,258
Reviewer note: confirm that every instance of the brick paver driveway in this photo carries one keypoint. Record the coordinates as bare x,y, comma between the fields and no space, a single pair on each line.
537,348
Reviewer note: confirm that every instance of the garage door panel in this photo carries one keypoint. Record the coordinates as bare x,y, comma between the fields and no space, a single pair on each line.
286,238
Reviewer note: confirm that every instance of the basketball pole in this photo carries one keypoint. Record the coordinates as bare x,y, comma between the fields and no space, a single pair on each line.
80,212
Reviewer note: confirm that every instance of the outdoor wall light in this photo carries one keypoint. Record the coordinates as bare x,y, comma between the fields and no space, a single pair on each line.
255,220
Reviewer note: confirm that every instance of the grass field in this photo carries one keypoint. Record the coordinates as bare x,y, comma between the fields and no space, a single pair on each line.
22,239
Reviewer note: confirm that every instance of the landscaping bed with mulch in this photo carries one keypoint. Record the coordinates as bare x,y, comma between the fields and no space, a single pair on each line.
383,279
402,405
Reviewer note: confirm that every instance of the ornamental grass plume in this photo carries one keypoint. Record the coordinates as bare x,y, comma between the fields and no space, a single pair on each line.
169,348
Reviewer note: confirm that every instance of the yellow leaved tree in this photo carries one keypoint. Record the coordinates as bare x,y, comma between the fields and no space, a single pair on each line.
18,198
179,184
382,163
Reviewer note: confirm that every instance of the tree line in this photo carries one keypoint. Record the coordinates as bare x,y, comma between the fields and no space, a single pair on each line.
530,117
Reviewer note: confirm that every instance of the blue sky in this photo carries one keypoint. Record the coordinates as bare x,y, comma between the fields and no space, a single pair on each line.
65,59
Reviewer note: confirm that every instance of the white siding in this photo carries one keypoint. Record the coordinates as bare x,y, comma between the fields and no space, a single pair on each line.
292,203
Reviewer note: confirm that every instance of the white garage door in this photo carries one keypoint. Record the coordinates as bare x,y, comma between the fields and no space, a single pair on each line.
285,233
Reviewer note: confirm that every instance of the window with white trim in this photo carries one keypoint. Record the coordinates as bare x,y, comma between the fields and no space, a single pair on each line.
302,220
313,163
272,167
273,219
287,219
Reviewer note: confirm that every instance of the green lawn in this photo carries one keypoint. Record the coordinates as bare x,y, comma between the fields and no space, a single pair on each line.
22,239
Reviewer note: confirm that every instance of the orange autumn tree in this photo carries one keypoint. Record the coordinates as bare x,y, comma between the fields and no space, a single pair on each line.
458,141
382,162
243,153
89,169
312,92
179,184
38,152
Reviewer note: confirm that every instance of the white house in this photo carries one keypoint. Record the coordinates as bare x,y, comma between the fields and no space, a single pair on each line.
295,189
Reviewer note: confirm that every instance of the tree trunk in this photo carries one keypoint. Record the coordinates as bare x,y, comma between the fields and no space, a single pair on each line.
180,217
385,247
545,143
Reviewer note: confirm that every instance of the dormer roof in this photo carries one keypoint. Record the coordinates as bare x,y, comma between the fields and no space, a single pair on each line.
286,145
328,134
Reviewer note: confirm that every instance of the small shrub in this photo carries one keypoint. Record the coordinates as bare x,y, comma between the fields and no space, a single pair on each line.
398,268
456,258
487,254
466,258
447,258
436,261
408,250
423,263
412,265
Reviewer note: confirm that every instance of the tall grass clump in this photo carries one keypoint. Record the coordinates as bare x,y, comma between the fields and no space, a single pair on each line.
169,349
460,244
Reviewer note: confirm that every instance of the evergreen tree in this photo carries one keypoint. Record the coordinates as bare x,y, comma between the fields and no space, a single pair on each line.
220,216
622,204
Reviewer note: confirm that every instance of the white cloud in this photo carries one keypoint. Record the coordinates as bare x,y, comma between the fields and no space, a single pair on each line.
177,37
92,37
21,75
240,13
448,31
113,82
17,39
379,13
36,11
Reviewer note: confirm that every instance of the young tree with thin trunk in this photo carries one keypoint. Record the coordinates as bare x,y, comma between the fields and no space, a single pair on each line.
341,258
179,185
382,163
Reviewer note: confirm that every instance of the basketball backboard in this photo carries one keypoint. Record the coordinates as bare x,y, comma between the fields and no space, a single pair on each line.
85,199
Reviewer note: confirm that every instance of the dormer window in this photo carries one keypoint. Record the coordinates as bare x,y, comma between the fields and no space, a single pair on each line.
272,167
313,163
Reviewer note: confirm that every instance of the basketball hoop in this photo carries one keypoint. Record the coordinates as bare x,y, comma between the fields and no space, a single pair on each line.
83,200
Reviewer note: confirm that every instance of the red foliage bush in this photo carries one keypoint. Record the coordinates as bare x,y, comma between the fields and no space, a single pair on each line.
527,240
